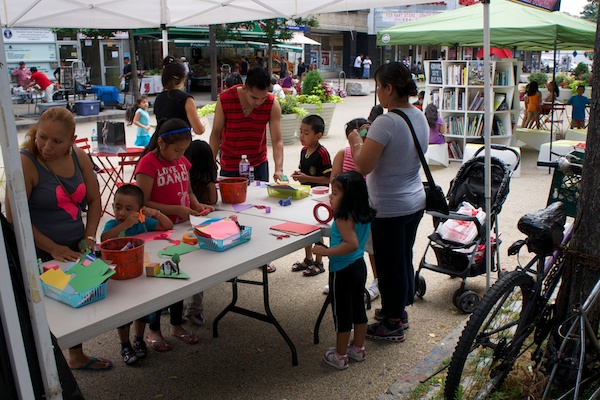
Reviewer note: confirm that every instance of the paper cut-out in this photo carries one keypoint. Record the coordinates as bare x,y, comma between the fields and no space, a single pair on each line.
56,278
294,228
180,249
238,208
286,202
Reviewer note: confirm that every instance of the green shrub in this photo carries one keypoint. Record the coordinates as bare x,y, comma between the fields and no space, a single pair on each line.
539,77
290,105
312,83
581,68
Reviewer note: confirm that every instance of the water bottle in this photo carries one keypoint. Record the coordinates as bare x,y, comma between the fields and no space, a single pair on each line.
251,175
244,169
94,141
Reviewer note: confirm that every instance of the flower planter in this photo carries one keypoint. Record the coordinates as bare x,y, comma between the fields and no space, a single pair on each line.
326,113
289,125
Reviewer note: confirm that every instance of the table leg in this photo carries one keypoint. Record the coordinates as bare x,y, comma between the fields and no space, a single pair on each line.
267,317
324,310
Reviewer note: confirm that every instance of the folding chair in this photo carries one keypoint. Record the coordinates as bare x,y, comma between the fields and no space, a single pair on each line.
549,118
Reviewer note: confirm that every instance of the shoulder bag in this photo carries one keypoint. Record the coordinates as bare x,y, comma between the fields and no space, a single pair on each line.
435,200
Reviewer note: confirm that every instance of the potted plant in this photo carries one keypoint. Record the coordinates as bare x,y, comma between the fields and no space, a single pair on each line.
291,112
207,115
318,97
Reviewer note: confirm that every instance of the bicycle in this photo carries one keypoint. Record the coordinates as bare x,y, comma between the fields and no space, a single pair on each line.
519,304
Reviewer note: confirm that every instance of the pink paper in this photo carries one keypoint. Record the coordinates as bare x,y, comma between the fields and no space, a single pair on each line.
221,229
151,235
238,208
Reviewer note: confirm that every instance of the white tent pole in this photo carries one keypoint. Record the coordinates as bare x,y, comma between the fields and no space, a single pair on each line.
488,120
24,235
165,41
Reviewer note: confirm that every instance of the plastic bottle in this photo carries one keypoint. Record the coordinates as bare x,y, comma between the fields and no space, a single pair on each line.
251,174
94,141
244,168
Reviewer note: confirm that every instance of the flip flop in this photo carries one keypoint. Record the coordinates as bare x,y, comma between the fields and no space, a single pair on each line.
160,345
271,268
187,338
93,361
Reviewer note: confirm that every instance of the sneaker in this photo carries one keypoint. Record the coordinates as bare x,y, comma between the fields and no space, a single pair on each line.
356,353
383,331
129,356
373,290
197,319
379,316
326,289
332,358
140,349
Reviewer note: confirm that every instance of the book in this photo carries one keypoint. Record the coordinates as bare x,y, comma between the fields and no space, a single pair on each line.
499,99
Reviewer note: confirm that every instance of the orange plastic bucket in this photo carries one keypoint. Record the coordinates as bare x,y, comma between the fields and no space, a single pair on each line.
233,190
129,262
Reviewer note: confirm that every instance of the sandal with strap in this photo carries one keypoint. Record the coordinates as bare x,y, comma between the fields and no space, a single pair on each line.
302,265
315,269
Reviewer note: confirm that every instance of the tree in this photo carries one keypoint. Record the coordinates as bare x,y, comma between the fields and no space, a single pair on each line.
590,11
582,262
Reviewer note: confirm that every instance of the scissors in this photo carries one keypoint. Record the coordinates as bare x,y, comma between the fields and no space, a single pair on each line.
280,236
163,236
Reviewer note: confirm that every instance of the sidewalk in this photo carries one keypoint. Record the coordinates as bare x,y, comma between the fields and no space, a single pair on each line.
250,360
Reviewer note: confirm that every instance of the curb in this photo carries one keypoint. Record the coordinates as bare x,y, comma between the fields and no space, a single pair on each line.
406,384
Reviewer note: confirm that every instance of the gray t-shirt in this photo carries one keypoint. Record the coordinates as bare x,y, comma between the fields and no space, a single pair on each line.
395,185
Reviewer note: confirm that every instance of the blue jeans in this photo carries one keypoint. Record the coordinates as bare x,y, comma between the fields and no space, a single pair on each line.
393,240
261,172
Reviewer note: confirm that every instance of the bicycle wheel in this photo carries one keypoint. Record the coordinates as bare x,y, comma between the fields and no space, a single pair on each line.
489,345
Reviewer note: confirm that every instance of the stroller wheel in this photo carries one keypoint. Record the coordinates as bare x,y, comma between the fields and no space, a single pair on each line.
420,286
455,297
468,301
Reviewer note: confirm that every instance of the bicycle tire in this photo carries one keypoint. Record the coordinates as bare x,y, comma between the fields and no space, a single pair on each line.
484,355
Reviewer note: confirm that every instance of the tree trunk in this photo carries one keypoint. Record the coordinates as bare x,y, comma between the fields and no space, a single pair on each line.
583,257
134,68
270,57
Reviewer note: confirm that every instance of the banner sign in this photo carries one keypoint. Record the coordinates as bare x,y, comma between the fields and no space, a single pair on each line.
548,5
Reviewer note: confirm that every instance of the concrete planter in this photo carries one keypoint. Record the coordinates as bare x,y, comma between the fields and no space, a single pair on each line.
289,125
326,113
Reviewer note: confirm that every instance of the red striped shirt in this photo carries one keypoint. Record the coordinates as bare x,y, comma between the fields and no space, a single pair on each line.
241,134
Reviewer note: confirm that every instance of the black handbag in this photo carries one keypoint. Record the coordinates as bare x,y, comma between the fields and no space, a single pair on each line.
435,200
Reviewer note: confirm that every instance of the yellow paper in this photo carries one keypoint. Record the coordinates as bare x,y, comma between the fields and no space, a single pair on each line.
56,278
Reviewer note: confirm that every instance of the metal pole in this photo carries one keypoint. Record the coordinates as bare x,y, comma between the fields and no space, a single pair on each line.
488,118
27,257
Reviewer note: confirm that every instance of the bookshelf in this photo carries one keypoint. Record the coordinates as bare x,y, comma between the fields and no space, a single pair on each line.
457,89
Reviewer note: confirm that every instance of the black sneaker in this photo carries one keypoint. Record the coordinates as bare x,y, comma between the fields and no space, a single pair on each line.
379,317
383,331
129,356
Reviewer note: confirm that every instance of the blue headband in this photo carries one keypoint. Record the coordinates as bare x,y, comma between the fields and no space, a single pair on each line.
175,131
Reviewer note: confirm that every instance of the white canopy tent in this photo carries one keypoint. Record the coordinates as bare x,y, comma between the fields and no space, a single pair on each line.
103,14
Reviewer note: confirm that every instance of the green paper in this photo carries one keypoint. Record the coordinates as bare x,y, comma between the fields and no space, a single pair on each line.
83,281
180,275
181,248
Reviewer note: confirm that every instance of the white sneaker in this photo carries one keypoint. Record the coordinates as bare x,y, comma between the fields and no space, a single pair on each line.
373,290
356,353
326,289
331,357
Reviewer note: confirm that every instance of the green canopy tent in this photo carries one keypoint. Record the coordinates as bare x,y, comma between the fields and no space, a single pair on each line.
511,25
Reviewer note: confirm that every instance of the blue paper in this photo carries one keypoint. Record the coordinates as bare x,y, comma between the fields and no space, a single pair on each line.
285,202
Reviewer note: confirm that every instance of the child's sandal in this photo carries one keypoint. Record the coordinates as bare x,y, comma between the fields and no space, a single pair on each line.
140,348
302,265
315,269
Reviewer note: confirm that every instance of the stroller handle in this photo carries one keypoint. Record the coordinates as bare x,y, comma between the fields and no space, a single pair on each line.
503,148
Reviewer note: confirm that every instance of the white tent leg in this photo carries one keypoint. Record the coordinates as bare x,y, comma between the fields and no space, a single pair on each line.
488,120
24,235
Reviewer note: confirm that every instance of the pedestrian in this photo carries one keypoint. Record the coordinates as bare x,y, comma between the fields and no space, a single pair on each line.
21,74
126,75
40,79
366,64
244,67
283,68
358,66
301,68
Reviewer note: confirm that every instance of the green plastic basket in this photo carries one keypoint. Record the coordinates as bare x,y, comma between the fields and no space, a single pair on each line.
566,188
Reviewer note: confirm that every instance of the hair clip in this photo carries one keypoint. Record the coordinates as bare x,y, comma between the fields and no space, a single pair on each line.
175,131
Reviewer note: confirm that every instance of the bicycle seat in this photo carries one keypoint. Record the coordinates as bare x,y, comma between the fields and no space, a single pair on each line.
544,228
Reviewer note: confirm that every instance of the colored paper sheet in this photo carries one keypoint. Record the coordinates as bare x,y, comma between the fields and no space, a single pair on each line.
283,187
82,281
221,229
180,275
56,278
296,228
180,249
148,236
238,208
198,220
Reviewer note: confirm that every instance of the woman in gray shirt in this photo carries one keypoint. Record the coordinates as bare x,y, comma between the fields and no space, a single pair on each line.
389,159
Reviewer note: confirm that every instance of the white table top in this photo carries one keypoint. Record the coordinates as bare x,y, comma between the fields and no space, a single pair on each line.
300,211
129,299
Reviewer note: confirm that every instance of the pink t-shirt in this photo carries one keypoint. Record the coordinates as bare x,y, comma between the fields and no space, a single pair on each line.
171,181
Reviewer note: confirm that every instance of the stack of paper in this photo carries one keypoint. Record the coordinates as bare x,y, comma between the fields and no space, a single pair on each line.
78,277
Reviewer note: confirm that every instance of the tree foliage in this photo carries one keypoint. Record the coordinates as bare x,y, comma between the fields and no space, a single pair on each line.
590,11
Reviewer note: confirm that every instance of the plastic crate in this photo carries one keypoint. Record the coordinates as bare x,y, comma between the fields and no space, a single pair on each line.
227,243
299,192
58,103
87,107
566,187
75,300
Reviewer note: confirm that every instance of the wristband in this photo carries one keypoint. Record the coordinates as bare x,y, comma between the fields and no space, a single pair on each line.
316,213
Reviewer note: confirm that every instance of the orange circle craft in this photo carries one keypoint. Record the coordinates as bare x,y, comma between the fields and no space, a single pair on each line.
190,238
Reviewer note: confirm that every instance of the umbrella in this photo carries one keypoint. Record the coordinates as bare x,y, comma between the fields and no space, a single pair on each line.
500,53
104,14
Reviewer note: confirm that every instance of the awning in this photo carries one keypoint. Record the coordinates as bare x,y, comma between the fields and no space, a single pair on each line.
299,38
201,43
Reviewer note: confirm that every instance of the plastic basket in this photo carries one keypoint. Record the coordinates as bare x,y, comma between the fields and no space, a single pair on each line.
75,300
227,243
299,192
566,188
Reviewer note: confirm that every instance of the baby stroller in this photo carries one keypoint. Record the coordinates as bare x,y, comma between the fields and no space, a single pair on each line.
463,260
